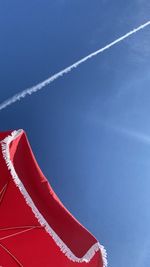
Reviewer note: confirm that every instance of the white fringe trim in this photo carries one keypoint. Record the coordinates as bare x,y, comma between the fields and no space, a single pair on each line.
90,253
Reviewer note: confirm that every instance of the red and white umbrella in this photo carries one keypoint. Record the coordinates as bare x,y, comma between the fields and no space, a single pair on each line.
36,230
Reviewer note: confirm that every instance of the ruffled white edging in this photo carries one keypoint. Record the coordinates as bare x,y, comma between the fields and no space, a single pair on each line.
90,253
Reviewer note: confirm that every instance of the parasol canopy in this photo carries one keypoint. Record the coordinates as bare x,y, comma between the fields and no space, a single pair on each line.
35,228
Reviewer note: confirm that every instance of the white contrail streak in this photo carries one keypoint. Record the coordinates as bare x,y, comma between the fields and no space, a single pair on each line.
41,85
137,136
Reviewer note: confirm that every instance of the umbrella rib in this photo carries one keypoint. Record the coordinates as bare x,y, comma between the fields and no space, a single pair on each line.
20,227
13,257
2,192
18,233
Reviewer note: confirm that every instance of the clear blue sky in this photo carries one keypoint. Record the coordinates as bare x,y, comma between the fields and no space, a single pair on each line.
90,130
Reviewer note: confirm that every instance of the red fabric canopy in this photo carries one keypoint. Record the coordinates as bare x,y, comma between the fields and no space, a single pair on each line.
36,230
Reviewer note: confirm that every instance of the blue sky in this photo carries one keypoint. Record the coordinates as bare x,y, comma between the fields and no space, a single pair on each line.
89,130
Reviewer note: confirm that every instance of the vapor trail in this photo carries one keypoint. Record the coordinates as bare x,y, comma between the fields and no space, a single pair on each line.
52,78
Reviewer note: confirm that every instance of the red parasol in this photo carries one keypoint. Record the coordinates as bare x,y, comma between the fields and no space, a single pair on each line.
36,230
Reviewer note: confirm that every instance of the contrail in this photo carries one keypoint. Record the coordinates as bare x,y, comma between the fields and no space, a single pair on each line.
137,136
41,85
